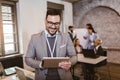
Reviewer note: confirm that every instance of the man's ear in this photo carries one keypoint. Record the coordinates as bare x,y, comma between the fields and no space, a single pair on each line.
45,22
100,41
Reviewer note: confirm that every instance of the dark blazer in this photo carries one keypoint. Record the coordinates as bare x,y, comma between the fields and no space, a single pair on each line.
71,36
100,51
37,49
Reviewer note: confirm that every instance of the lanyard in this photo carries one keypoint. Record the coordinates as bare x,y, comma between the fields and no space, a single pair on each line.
51,51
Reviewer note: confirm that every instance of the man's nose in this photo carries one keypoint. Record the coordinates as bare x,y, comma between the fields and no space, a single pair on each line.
53,26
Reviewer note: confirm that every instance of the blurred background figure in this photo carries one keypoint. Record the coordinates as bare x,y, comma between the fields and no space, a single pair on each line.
78,46
77,68
98,48
92,36
72,33
99,51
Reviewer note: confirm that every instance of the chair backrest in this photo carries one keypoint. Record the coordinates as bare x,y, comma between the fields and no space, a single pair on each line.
20,74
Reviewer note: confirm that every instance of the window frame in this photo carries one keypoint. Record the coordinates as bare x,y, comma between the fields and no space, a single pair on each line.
12,4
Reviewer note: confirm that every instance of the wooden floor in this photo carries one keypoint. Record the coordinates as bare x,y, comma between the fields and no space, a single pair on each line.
110,71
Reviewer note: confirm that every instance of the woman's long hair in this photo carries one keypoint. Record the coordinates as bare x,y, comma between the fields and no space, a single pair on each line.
90,27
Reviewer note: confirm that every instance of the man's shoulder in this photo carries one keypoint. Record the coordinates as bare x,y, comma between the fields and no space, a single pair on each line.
64,35
37,34
69,32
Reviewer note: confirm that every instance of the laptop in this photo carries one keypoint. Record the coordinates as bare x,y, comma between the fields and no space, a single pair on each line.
7,71
89,53
21,75
10,71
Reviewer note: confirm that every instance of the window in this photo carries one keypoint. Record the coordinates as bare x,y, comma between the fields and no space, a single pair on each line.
8,27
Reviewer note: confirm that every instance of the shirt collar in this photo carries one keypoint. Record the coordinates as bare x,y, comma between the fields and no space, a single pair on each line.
97,47
48,35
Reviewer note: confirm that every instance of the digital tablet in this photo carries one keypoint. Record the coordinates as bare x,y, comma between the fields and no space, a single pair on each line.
53,62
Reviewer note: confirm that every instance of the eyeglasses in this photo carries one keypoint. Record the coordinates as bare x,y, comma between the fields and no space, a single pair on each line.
52,23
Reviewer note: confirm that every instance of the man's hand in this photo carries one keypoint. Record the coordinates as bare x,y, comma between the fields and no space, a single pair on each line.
84,37
65,65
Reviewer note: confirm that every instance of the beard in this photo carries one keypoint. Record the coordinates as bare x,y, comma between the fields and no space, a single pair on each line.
71,31
52,31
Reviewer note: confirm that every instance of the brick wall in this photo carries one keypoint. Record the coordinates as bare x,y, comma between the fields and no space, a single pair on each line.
104,15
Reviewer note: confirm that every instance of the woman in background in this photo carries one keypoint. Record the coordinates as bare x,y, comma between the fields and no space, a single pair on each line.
78,46
92,36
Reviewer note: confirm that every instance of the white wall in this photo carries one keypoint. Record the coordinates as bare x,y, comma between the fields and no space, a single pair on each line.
31,16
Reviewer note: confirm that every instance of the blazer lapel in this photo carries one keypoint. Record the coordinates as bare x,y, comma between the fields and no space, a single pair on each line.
44,45
58,45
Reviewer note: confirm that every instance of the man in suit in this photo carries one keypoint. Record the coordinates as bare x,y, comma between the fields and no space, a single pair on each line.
72,33
88,68
99,51
51,43
98,48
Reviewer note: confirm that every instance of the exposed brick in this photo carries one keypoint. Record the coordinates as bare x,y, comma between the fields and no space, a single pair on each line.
104,15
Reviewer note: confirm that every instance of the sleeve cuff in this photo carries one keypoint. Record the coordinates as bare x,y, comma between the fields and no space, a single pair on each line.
40,65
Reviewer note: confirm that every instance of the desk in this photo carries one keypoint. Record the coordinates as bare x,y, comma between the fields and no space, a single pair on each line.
14,76
83,59
88,65
11,77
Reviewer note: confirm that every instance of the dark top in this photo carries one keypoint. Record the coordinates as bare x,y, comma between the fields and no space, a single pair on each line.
52,73
71,36
101,52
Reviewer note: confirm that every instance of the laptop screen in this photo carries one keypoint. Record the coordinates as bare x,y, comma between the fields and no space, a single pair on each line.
10,71
89,53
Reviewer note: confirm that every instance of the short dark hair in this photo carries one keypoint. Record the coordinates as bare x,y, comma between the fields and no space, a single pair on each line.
89,25
70,27
53,12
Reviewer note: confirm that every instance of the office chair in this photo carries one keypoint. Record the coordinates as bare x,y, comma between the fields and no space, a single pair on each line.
20,74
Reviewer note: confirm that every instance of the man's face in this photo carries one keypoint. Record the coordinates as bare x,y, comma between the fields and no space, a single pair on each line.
71,29
52,24
96,43
90,31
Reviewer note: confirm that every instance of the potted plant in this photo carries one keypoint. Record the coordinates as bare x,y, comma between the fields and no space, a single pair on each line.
1,74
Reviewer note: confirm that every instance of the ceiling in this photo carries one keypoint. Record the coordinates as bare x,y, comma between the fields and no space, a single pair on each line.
72,1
